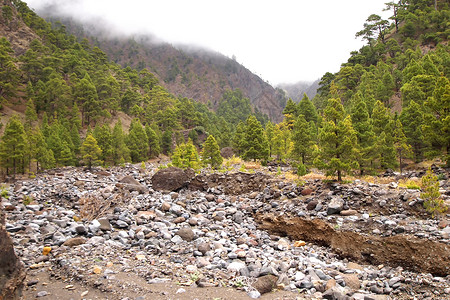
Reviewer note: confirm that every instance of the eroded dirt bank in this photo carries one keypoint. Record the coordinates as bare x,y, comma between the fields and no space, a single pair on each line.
408,252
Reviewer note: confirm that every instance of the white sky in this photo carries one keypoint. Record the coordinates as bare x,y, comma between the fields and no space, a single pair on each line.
279,40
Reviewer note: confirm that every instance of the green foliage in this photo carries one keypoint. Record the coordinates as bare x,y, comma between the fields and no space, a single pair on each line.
186,156
211,153
12,146
90,151
255,145
337,140
137,142
433,201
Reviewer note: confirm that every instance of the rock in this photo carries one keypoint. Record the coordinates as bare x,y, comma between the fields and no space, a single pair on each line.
348,212
354,266
238,217
330,284
265,284
186,234
104,224
12,273
334,294
81,230
132,184
204,247
335,206
312,205
254,294
74,241
179,220
236,266
41,294
306,192
352,281
165,206
172,179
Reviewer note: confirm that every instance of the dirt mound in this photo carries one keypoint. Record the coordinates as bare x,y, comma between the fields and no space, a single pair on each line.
231,184
408,252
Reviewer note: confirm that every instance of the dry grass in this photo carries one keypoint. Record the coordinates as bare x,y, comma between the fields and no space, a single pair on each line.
252,165
415,184
92,208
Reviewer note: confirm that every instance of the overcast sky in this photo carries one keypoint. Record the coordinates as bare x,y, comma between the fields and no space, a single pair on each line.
281,41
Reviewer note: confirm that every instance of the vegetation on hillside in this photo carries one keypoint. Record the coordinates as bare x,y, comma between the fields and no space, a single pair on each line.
390,101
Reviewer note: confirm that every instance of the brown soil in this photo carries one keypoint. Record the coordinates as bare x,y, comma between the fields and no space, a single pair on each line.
132,286
401,250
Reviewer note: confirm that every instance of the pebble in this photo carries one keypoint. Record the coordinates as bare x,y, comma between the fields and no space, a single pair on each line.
212,234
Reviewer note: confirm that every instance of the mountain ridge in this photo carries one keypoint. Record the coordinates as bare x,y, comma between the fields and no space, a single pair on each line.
184,70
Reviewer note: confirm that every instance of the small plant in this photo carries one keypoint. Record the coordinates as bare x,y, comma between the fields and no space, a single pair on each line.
27,199
433,201
413,186
242,168
278,171
195,277
143,165
4,192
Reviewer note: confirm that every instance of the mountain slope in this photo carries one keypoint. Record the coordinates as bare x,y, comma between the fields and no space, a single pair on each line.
295,91
185,71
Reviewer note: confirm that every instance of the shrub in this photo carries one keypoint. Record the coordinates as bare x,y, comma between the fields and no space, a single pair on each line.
433,201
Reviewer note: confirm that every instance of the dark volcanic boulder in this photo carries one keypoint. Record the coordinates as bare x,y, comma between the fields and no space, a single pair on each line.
172,179
12,273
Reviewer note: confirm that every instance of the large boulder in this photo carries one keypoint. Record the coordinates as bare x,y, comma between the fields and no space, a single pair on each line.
12,273
172,179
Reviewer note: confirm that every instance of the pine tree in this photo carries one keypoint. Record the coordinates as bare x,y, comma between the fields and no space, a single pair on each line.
43,155
103,136
30,114
239,138
255,143
306,108
166,142
153,142
270,135
12,146
90,151
120,152
365,136
211,153
302,139
412,120
337,140
400,142
137,142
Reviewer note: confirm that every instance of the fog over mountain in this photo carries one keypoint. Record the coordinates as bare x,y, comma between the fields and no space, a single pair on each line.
284,41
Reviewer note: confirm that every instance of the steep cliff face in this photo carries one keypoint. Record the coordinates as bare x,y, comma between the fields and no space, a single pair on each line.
186,71
15,31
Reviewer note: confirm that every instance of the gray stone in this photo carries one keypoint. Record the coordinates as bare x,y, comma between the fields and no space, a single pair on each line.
186,234
104,224
335,206
80,229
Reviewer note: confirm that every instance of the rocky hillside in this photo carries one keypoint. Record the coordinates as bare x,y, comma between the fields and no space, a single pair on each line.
191,72
295,91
